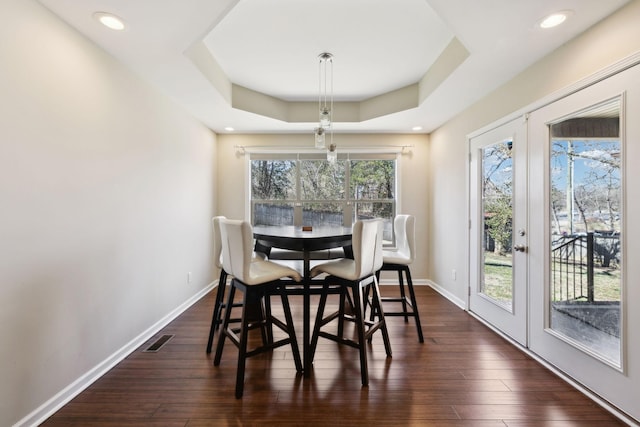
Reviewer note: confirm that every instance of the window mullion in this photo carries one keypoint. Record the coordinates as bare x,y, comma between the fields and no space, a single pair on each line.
348,201
297,205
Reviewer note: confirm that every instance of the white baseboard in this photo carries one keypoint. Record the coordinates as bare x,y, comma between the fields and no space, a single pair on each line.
425,282
448,295
47,409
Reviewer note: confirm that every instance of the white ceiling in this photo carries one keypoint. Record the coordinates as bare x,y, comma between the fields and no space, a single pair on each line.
397,63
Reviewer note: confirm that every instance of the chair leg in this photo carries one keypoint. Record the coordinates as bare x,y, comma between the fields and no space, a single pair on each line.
267,327
369,302
414,304
364,329
215,319
407,302
403,296
318,322
256,313
377,303
359,320
223,331
290,329
242,347
342,300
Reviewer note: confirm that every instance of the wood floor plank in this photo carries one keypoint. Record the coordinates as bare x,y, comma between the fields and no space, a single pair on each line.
546,412
462,375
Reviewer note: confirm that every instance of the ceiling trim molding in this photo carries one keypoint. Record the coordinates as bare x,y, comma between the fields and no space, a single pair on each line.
395,101
203,60
451,58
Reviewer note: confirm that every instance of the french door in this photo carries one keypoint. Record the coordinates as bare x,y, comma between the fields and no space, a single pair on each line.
498,228
584,201
554,208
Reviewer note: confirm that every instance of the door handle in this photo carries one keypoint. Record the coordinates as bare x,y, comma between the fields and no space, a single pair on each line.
520,248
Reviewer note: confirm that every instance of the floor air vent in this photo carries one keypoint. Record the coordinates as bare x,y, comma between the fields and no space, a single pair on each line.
158,344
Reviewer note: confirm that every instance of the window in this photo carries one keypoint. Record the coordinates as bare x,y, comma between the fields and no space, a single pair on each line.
305,189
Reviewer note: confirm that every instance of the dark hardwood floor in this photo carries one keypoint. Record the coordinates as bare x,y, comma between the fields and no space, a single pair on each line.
462,375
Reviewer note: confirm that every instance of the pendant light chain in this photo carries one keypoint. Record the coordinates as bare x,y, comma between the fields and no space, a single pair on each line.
325,105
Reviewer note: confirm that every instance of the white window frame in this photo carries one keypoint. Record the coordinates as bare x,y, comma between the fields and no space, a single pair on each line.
345,153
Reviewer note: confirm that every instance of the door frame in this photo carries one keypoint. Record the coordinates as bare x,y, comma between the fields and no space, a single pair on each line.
512,322
631,318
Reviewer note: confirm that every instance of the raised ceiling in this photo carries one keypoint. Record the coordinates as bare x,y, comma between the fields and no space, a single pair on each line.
252,64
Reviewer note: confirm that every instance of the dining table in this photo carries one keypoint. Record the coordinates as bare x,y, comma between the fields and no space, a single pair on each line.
303,241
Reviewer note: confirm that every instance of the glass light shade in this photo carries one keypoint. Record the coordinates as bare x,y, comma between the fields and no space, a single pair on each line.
319,136
325,117
332,153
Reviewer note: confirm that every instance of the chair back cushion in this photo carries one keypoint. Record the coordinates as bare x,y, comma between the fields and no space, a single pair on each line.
237,247
367,247
217,241
378,258
404,227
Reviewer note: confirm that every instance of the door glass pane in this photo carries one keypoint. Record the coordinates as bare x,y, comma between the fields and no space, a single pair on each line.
585,195
497,201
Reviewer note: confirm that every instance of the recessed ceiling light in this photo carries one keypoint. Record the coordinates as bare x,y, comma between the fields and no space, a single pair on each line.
416,128
554,19
229,129
110,20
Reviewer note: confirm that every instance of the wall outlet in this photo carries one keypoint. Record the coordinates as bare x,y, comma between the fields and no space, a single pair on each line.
454,274
189,277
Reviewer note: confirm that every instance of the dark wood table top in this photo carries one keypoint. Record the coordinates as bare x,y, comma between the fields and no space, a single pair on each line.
293,238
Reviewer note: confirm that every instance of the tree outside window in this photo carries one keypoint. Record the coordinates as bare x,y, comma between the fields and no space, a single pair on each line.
311,191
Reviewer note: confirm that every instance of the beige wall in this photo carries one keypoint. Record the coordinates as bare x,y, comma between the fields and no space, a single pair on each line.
606,43
232,200
106,199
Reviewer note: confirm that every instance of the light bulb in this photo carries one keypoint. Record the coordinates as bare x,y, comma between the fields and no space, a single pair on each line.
319,133
332,153
325,117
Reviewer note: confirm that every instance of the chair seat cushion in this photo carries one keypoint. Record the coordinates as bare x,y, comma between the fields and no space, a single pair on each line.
265,271
395,257
344,268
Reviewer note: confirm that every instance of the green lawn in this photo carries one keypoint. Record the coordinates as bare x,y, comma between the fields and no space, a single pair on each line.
498,273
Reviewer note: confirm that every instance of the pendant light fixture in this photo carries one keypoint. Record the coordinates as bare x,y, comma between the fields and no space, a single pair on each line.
319,132
332,153
325,105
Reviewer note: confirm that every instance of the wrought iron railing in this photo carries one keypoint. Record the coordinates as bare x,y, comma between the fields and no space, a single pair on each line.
573,262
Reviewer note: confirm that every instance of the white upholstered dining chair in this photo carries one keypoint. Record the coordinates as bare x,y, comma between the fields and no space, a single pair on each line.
399,260
258,280
220,305
353,275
